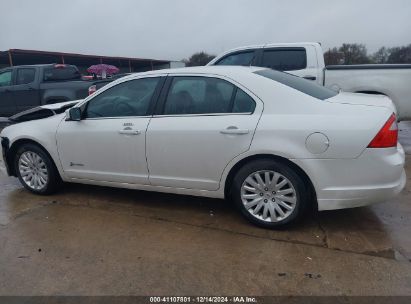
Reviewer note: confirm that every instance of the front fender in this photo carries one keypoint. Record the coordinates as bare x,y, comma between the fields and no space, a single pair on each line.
41,132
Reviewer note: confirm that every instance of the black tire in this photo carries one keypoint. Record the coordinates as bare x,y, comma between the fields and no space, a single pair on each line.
301,192
53,181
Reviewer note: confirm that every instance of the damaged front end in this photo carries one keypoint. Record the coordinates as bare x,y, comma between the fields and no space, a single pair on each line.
37,113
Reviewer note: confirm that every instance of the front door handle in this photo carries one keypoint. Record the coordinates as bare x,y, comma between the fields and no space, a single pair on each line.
129,132
235,131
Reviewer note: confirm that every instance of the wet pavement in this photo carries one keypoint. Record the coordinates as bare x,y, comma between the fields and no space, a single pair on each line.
90,240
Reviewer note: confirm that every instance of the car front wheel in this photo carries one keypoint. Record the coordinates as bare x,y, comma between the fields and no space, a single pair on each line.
36,170
269,193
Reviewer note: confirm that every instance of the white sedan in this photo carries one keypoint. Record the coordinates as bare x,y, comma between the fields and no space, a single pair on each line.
274,143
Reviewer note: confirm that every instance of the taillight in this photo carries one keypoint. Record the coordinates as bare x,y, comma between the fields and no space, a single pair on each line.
388,135
92,89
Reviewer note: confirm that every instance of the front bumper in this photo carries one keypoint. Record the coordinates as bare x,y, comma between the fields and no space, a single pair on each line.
4,122
4,149
376,176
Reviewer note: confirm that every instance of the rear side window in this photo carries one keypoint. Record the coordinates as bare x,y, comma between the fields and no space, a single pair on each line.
61,72
25,76
298,83
206,95
285,59
243,58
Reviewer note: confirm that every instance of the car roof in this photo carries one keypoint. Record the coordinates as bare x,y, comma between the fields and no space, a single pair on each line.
260,46
273,44
226,70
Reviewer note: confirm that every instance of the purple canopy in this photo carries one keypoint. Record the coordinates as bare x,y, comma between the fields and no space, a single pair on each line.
101,69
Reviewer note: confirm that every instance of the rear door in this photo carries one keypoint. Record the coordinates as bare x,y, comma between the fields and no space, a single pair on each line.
294,60
24,92
202,123
7,107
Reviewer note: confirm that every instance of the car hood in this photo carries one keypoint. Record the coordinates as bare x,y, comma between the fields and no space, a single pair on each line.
59,105
364,99
42,111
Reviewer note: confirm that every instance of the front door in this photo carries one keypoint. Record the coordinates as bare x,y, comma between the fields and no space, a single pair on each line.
24,93
108,144
204,123
7,108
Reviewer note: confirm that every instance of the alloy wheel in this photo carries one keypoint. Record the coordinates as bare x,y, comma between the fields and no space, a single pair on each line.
268,195
33,170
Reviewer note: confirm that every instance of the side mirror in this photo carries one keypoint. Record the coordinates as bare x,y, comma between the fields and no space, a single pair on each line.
74,114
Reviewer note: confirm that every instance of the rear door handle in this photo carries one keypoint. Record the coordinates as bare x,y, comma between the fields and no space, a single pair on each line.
129,132
310,77
234,131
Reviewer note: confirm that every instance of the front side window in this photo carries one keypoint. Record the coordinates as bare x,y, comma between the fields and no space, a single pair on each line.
5,78
243,58
130,98
205,95
285,59
25,76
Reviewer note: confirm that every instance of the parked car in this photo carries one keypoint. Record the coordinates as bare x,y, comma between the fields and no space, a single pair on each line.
25,87
275,143
307,60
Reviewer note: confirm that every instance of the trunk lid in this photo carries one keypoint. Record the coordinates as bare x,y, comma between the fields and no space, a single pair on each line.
371,100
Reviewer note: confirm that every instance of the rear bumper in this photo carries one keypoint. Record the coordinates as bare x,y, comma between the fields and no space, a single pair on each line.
376,176
360,196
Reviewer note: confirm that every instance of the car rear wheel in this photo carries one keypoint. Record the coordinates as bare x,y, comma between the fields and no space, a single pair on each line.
269,193
36,170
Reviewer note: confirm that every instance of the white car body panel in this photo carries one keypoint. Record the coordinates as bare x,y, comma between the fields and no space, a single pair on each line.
102,139
189,155
361,180
173,141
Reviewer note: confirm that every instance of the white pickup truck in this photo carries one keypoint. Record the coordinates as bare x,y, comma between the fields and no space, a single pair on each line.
307,60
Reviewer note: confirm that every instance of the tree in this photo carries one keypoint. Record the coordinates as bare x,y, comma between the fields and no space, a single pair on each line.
381,56
333,56
400,54
354,53
200,58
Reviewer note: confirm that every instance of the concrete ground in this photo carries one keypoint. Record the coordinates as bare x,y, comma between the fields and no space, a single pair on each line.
91,240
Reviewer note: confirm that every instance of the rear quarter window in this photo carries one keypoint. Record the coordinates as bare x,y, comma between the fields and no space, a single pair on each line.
298,83
61,73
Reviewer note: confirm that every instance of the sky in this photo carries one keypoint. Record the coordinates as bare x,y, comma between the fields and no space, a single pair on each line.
175,29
